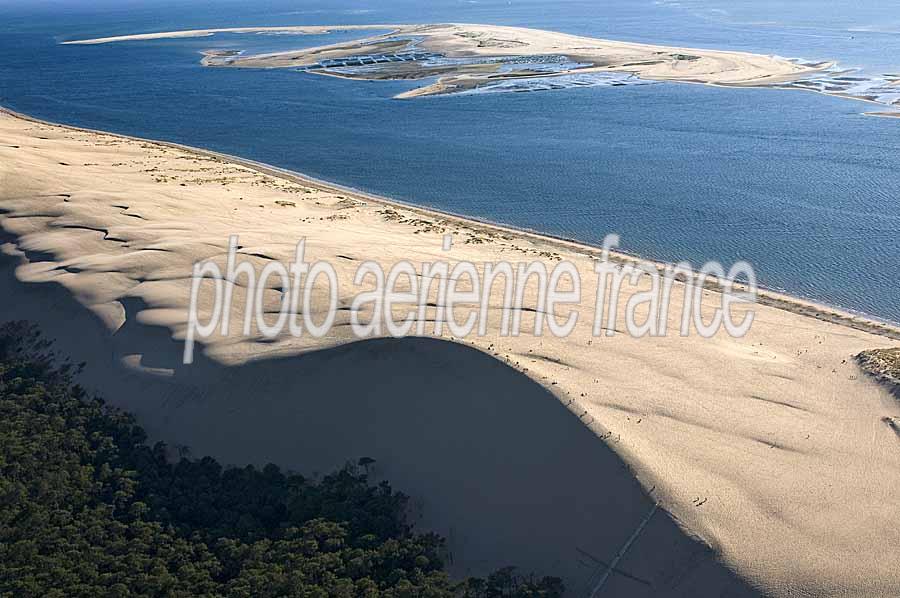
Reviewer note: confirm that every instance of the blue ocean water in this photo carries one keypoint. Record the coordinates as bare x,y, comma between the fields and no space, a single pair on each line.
802,185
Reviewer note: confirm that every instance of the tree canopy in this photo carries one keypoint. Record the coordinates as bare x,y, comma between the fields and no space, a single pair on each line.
88,508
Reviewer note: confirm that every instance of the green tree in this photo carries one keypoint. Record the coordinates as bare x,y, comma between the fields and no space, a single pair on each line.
87,508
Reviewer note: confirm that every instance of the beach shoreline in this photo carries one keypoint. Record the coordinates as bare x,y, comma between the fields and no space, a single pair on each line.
754,448
766,296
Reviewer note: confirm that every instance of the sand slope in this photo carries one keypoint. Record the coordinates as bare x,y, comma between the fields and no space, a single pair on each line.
770,449
500,468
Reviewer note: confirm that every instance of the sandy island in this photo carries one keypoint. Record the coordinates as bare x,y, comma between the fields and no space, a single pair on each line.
773,459
483,47
466,57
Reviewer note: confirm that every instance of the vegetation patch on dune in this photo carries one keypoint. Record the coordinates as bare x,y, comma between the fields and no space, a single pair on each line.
883,364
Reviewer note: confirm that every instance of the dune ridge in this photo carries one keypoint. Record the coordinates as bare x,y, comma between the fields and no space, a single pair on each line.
766,449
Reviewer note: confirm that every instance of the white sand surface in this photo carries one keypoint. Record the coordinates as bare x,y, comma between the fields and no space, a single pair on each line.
771,451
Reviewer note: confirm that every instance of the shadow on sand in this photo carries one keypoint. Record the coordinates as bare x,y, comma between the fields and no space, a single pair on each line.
491,459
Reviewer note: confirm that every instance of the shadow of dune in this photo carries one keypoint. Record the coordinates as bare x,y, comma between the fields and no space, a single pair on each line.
492,460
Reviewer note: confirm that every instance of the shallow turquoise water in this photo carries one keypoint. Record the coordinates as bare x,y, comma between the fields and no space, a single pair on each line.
801,185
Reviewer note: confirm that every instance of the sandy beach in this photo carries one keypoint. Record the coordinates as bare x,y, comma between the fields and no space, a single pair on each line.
772,457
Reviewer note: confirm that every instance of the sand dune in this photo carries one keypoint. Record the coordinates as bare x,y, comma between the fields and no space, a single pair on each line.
501,469
772,450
